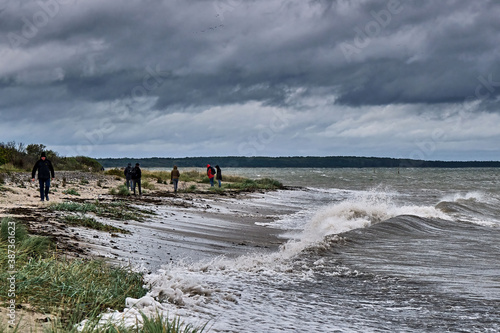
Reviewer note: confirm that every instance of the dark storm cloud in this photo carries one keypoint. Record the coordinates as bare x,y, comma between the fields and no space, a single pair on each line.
72,59
369,53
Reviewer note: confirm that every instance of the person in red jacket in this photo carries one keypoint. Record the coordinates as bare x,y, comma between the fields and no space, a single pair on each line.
210,174
45,170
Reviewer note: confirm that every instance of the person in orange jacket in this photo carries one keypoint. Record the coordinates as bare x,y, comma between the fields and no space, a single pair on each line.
210,174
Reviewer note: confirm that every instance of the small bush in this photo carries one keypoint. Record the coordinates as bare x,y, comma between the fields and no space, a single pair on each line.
148,186
9,167
115,172
190,189
71,191
121,190
160,176
192,176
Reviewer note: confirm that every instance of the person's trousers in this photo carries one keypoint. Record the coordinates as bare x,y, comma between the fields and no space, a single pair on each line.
44,188
212,181
134,183
176,182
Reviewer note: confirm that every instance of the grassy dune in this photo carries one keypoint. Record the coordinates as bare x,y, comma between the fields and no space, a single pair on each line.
69,289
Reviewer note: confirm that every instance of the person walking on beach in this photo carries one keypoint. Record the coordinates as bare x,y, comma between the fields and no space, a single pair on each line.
128,174
211,174
45,170
135,177
174,177
218,175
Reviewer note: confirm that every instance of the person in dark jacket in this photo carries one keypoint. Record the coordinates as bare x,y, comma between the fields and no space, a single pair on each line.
210,174
128,174
135,176
174,177
218,175
45,170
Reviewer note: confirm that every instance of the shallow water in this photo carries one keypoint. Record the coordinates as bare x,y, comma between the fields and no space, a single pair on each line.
369,250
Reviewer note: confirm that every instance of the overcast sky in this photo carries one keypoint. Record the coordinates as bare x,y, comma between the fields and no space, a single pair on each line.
389,78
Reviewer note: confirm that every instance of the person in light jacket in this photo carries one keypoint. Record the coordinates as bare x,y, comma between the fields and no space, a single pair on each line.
174,177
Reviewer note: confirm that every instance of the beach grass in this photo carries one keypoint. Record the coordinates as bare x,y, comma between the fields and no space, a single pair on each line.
9,167
148,185
71,290
115,172
259,184
117,210
92,223
71,191
121,190
156,324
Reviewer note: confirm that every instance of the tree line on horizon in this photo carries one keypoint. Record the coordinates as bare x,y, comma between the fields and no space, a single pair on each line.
293,162
18,156
23,157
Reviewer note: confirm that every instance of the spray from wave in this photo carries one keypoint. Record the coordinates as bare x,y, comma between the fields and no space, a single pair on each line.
199,291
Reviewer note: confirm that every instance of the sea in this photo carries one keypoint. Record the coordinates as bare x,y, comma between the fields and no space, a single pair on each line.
364,250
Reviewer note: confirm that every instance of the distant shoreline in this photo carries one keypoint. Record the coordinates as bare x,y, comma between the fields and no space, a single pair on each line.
294,162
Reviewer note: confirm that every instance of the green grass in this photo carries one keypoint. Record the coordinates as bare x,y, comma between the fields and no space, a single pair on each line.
121,190
191,176
148,186
156,324
117,210
115,172
90,222
71,191
71,289
74,289
217,189
259,184
9,167
190,189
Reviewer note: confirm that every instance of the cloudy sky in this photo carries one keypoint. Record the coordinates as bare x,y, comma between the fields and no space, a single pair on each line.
173,78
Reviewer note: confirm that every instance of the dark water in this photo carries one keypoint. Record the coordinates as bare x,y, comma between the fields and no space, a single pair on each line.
369,251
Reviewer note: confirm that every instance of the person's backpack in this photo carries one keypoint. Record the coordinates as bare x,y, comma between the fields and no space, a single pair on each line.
212,169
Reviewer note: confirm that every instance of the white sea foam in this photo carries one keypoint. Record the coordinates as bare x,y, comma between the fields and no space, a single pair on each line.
361,210
228,291
473,195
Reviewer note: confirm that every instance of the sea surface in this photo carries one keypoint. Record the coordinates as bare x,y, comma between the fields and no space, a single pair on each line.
367,250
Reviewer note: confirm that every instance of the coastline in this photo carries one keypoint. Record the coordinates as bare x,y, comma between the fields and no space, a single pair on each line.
183,227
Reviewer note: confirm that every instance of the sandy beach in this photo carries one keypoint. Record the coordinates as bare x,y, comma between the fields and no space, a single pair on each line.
178,227
185,226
